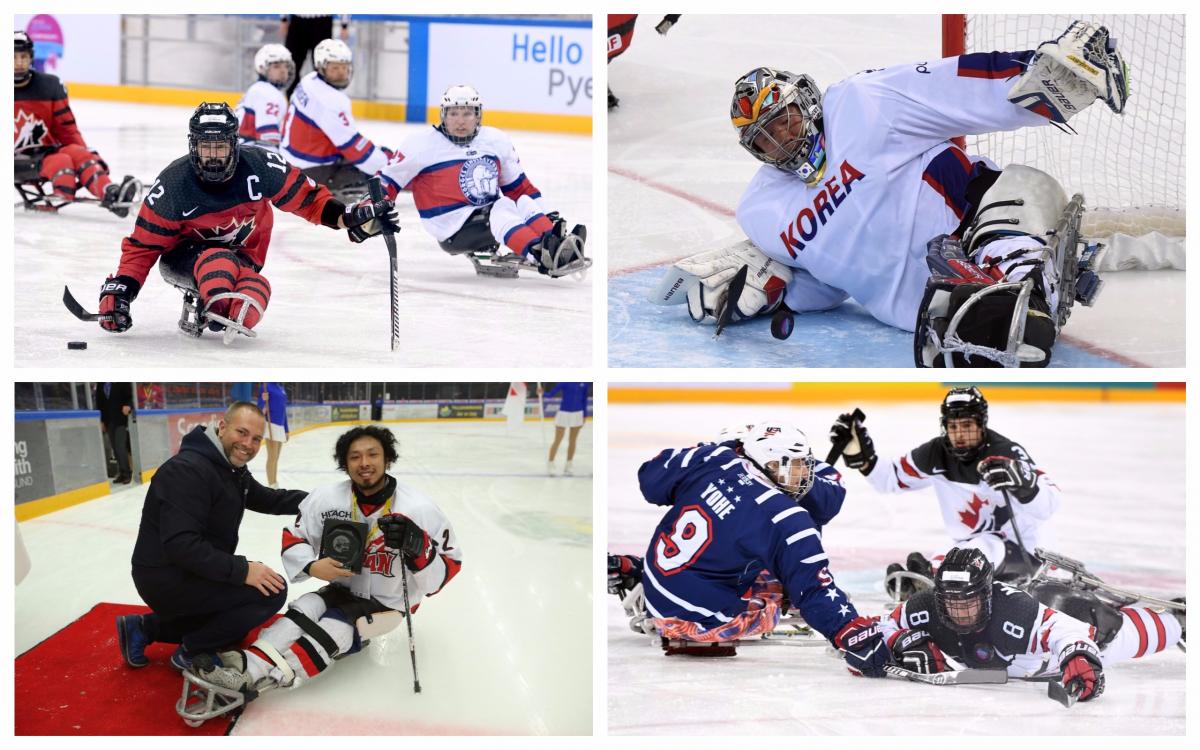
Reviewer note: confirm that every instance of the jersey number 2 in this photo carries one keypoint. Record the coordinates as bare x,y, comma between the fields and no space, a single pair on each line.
688,539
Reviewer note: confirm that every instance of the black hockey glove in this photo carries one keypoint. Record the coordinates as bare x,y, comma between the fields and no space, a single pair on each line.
858,450
624,572
1012,474
116,294
915,650
861,641
368,218
402,534
1082,673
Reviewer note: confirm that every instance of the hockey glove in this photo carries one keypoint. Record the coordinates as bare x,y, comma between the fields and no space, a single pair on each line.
862,644
624,572
116,294
915,651
1012,474
1065,76
707,276
858,449
368,218
1082,672
402,534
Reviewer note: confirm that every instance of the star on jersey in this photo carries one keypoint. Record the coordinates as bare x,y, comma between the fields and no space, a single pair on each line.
843,610
234,234
832,593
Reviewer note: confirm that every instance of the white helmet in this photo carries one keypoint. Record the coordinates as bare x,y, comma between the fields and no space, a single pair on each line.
783,454
461,95
270,54
733,432
334,50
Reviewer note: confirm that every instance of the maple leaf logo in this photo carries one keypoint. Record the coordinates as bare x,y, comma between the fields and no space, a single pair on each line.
233,234
970,516
28,131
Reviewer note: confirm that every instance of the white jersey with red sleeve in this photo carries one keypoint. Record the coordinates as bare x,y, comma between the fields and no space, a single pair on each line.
260,113
449,181
382,566
320,129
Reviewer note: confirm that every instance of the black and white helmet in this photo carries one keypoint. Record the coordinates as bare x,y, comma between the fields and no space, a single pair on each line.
964,403
331,51
268,55
782,453
23,44
962,590
213,123
461,95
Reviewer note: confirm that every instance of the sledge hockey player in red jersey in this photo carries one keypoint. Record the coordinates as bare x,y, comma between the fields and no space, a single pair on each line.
992,494
47,144
984,624
207,221
409,551
261,110
474,197
320,135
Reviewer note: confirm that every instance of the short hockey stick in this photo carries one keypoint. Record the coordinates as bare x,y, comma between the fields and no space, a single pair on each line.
412,644
376,187
736,287
78,311
956,677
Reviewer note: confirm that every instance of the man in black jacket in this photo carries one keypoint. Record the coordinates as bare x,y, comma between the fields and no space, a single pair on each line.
204,596
115,403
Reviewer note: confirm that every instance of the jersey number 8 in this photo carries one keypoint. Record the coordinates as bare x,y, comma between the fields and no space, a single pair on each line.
689,537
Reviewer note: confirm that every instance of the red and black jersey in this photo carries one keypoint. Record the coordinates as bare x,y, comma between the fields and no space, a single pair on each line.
42,115
237,213
620,32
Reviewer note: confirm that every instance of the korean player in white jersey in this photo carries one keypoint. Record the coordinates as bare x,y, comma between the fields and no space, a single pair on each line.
262,108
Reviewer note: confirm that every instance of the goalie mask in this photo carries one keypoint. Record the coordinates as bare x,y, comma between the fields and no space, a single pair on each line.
783,454
778,118
962,590
271,54
213,143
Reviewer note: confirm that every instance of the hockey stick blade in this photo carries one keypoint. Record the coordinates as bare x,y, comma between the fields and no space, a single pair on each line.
835,451
375,185
957,677
1058,692
77,310
736,287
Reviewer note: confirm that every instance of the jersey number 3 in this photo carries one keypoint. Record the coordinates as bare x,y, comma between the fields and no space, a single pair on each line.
688,539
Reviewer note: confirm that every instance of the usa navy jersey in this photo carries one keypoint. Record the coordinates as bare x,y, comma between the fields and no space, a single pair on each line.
725,525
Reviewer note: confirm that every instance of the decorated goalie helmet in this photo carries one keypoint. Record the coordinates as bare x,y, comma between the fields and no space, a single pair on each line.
782,453
962,590
779,121
213,125
268,55
334,51
22,44
964,403
461,95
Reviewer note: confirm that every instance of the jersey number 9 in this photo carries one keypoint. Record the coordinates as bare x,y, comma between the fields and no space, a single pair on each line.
689,537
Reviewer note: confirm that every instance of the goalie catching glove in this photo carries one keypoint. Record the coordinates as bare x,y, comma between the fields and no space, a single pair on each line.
1068,74
711,272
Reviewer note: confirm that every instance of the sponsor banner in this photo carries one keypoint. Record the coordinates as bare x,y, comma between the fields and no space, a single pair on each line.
179,425
519,68
410,411
461,411
76,48
345,413
33,473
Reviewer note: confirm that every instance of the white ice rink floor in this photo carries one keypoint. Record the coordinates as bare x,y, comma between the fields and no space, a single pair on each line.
330,298
505,648
676,173
1121,471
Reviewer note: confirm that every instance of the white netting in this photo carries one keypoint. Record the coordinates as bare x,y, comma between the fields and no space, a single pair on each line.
1130,168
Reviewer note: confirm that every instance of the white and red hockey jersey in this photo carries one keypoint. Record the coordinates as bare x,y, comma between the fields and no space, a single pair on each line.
382,566
260,113
320,129
449,181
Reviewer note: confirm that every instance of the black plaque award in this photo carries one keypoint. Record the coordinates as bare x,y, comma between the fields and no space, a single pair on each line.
344,541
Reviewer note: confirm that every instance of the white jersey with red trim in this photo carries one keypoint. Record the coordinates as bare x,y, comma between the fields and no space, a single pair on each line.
970,508
320,129
450,181
260,113
380,576
892,181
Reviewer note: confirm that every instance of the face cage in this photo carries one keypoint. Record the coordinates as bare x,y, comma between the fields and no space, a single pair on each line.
291,76
948,601
214,174
782,478
964,454
808,159
349,75
464,139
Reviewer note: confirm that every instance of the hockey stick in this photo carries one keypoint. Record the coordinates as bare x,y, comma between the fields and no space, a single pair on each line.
78,311
956,677
1017,530
375,185
835,451
412,645
736,287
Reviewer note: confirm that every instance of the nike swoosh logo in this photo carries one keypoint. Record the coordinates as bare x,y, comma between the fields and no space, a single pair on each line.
189,213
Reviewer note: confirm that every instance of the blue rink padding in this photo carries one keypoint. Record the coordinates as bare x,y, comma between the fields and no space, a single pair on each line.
643,334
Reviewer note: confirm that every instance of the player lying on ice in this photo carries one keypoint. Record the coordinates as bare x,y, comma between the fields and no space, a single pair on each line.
473,196
742,532
984,624
410,552
863,195
207,220
48,147
260,112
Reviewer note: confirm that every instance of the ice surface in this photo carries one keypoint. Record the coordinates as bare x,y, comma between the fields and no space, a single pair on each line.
499,651
330,298
1121,471
676,173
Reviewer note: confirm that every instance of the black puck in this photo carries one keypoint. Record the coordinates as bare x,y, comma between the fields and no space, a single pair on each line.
782,324
77,345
